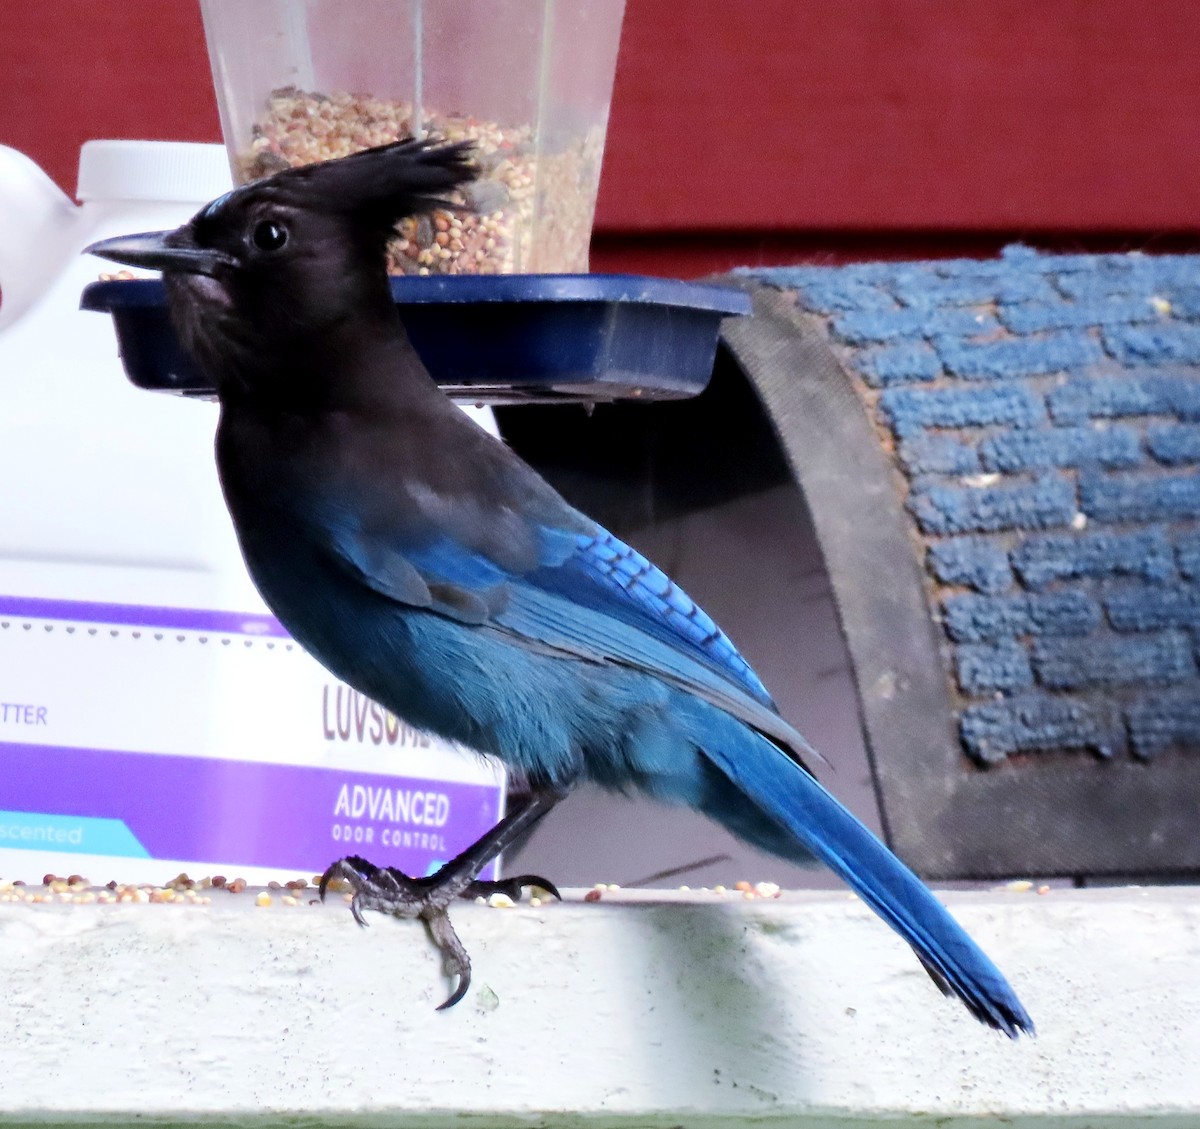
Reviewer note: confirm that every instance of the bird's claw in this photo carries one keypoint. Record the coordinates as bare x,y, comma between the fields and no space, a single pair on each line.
511,887
389,890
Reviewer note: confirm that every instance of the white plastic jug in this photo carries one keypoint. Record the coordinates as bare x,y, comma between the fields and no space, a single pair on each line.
153,716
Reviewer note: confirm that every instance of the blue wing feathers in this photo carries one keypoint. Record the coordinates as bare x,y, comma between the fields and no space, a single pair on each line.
661,604
594,570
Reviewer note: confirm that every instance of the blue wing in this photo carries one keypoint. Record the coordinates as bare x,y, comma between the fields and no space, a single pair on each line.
586,595
605,574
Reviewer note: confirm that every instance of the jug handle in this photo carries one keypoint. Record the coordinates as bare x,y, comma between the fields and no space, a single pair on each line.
35,218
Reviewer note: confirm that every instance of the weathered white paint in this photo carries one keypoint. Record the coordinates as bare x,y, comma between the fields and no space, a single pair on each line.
691,1010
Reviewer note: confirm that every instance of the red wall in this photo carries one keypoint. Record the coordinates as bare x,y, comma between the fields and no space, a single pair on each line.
752,130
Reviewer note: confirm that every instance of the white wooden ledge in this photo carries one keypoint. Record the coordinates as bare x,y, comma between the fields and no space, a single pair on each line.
697,1010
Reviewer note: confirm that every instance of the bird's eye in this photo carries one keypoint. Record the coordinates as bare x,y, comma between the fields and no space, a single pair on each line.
269,235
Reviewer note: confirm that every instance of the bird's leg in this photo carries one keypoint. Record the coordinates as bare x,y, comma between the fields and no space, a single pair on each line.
389,890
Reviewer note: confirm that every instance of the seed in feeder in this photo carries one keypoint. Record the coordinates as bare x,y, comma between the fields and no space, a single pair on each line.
500,901
263,898
593,895
236,886
218,880
767,890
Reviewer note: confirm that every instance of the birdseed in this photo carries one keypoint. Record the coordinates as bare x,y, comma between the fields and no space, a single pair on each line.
527,212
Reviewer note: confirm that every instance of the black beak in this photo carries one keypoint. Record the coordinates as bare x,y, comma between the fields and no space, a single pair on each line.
162,250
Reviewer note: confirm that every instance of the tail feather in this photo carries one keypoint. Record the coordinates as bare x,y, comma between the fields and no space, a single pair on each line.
796,802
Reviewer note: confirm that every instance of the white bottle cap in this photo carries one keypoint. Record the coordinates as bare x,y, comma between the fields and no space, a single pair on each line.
167,171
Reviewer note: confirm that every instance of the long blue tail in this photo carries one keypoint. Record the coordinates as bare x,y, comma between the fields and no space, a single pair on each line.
810,818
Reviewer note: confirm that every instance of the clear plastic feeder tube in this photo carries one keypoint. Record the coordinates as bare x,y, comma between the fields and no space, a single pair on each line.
528,81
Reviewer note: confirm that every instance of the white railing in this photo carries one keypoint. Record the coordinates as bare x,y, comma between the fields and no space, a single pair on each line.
700,1010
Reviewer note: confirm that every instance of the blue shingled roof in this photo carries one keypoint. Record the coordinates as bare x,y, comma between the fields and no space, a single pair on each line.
1044,411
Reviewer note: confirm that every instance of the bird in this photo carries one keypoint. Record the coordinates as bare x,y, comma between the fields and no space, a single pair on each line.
422,562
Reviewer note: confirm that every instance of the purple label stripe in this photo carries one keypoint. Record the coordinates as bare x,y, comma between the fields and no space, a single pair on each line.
242,813
143,615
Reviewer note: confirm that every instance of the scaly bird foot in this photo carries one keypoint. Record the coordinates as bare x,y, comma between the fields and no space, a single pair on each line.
389,890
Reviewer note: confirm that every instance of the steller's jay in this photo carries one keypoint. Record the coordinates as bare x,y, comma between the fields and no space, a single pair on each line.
427,566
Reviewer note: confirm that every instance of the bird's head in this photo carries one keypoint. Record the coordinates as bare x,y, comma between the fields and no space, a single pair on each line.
272,267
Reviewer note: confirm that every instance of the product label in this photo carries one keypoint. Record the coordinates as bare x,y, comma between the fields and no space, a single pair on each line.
133,731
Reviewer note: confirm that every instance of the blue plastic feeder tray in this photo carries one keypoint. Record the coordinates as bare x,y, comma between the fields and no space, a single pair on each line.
498,339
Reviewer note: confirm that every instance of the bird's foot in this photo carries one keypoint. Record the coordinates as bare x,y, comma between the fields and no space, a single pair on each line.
389,890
